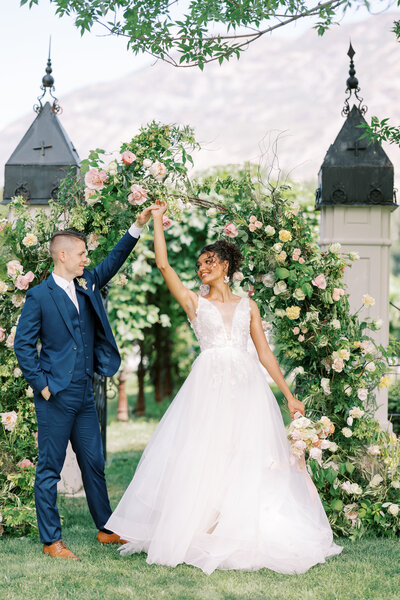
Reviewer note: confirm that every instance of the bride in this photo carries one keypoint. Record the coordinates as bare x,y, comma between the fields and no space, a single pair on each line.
216,486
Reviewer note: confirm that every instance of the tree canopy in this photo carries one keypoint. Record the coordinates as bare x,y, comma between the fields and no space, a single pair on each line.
192,33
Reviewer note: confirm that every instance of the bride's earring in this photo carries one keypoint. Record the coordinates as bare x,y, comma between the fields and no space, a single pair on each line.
227,279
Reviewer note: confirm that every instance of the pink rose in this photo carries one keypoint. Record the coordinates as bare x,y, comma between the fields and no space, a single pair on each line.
296,330
2,334
22,282
252,227
230,230
166,222
337,294
26,464
295,257
238,276
128,157
296,252
301,260
14,268
137,196
94,179
258,224
91,196
3,223
320,281
252,219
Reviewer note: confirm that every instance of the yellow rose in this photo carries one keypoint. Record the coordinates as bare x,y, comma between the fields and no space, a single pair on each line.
285,235
384,382
30,240
293,312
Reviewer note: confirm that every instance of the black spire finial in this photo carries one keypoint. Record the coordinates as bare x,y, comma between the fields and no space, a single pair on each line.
352,85
48,84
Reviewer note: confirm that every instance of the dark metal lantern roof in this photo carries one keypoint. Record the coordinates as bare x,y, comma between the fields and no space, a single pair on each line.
43,157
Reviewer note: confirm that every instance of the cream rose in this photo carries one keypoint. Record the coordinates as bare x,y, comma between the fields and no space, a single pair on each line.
14,268
8,420
285,235
158,170
138,195
293,312
269,230
368,300
280,287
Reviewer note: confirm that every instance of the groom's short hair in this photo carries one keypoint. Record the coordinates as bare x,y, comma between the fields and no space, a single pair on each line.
64,233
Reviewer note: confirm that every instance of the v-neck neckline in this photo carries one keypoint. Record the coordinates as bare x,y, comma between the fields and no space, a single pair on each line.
228,337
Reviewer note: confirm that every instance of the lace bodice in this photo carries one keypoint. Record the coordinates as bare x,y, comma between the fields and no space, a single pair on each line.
219,324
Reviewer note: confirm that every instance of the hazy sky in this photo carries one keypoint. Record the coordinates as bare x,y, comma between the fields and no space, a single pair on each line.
77,60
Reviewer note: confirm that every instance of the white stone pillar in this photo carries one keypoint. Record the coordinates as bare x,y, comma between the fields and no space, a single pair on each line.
366,230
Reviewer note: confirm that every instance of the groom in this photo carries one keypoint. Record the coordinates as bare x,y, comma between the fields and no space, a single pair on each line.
66,313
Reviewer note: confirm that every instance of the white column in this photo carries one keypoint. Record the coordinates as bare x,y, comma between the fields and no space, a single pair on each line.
366,230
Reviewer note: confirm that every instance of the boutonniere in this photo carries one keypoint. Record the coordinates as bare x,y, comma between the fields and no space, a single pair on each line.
82,282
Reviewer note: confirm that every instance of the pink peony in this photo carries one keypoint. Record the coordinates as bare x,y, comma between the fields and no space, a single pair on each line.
14,268
22,282
26,464
94,179
166,221
128,157
252,227
230,230
320,281
337,294
2,334
138,195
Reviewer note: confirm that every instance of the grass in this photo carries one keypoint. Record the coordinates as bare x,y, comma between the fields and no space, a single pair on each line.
366,570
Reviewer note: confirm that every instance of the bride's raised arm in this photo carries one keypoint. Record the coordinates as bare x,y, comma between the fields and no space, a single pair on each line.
186,298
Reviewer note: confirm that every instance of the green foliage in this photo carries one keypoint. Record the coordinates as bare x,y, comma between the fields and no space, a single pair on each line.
197,32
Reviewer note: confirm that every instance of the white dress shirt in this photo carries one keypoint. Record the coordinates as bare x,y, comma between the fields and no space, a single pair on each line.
68,287
135,231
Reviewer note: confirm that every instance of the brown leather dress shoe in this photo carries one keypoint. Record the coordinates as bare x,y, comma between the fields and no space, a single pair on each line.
109,538
59,549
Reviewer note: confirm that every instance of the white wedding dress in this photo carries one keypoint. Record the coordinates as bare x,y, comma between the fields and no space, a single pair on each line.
216,486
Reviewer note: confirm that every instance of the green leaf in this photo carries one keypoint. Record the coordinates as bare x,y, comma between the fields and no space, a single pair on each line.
282,273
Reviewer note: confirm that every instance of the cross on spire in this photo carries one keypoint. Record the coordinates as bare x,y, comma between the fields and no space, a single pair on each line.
42,148
356,148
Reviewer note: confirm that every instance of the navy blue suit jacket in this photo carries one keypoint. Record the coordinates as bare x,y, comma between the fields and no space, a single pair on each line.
45,317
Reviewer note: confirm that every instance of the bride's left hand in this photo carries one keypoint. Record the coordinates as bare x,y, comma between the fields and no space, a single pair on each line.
294,406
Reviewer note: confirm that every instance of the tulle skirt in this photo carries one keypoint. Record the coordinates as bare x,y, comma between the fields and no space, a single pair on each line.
216,486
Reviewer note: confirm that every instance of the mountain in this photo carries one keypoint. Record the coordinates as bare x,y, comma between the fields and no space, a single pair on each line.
295,86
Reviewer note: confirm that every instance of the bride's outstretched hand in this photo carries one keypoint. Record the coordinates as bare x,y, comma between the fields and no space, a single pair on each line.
159,209
294,406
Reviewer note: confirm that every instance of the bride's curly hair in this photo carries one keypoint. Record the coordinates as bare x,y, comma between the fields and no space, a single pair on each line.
225,251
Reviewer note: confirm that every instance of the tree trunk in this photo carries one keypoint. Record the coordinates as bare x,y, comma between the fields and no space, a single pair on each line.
122,410
168,365
140,403
157,378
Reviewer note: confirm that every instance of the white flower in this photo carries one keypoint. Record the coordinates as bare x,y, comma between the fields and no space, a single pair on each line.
8,420
121,279
18,300
354,256
377,323
316,454
395,484
356,412
280,312
29,392
211,212
335,248
349,421
3,287
299,294
280,287
158,170
376,480
11,337
373,450
338,365
112,167
266,326
335,324
347,432
281,257
268,280
30,240
368,300
91,241
269,230
277,247
333,447
17,372
370,367
165,321
362,394
298,371
331,464
238,276
393,509
325,384
147,163
348,391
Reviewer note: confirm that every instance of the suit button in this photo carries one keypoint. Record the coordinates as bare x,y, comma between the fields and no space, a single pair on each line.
75,348
70,371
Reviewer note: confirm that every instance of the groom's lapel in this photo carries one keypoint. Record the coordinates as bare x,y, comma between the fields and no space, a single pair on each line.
60,300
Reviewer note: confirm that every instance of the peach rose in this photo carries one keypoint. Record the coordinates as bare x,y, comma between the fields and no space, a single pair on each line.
128,157
166,222
26,464
301,260
258,224
94,179
2,334
137,196
230,230
337,294
91,196
252,227
22,282
319,281
252,219
14,268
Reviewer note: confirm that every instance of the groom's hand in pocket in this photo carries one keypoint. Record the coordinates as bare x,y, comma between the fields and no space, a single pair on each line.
46,393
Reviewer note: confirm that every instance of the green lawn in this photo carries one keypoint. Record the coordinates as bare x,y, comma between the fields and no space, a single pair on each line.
366,570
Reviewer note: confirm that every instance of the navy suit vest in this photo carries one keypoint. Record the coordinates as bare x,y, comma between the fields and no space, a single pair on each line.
84,329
